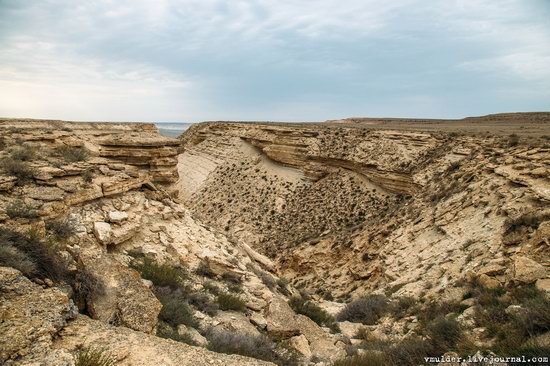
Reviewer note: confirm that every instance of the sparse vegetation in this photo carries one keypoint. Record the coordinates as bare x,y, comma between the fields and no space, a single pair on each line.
162,275
91,356
23,153
88,175
176,311
73,154
19,169
61,228
19,209
366,310
48,263
313,311
13,257
228,301
259,347
369,358
204,270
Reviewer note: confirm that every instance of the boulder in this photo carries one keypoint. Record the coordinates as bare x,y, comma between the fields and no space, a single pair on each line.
117,216
526,270
235,322
102,232
543,284
349,329
283,323
123,299
193,334
30,318
301,345
124,233
280,319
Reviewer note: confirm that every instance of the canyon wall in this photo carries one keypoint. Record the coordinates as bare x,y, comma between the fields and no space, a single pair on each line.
349,208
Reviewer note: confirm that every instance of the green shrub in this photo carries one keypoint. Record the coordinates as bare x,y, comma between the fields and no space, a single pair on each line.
47,261
18,209
88,175
162,275
312,311
19,169
176,311
403,306
15,258
211,287
61,228
366,310
23,153
228,301
73,154
369,358
444,333
259,347
90,356
410,351
86,286
204,270
204,303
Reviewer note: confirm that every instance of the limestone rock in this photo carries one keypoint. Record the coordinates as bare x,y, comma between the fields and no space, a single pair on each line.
543,284
117,216
192,333
141,349
527,270
124,299
300,344
30,317
102,232
279,317
235,322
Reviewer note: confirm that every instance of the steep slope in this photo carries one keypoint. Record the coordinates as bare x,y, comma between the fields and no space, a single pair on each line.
371,207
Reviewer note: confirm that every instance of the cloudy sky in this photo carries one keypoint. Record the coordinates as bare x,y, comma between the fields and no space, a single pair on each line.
193,60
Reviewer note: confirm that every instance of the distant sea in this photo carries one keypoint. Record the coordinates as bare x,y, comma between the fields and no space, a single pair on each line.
172,129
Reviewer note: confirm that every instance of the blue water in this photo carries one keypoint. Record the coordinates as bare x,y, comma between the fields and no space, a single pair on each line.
172,129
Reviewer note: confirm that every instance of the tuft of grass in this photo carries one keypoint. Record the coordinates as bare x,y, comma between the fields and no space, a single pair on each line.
162,275
204,303
15,258
312,311
23,153
19,209
91,356
259,347
88,175
211,287
19,169
176,311
228,301
444,333
61,228
366,310
204,270
369,358
47,261
73,154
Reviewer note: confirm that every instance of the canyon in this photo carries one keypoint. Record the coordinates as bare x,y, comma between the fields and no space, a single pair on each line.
252,243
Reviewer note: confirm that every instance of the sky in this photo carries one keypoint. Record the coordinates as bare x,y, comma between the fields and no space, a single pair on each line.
279,60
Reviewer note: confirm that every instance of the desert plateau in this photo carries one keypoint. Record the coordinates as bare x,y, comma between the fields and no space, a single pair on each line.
381,241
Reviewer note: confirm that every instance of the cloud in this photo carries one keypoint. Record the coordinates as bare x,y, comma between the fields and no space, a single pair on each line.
261,59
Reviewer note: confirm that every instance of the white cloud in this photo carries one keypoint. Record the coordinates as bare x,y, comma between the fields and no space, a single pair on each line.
176,59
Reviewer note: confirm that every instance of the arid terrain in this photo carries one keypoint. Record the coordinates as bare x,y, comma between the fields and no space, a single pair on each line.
362,241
